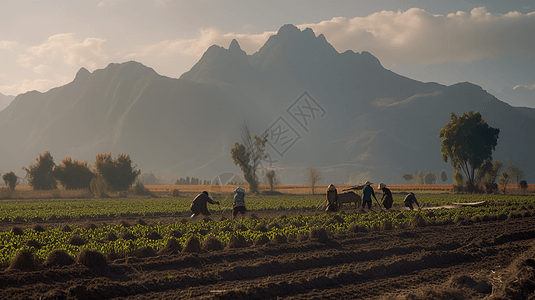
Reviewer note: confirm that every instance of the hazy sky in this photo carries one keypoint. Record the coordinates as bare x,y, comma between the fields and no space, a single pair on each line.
44,43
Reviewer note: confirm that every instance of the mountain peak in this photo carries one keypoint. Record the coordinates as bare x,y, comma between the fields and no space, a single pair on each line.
234,46
288,30
82,74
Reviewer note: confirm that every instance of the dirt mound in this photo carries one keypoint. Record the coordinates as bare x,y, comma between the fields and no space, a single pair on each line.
319,234
23,261
128,236
154,236
173,247
39,228
33,243
237,241
90,258
212,244
143,252
76,240
192,245
58,258
110,237
262,240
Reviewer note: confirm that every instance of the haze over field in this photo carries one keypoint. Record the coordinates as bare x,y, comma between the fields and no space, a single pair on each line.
362,91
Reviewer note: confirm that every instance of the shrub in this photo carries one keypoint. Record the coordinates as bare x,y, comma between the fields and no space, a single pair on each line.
119,173
41,174
10,179
98,187
139,189
523,184
175,193
74,175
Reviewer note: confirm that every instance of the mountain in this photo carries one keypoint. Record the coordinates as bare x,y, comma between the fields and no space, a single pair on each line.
5,100
520,95
342,113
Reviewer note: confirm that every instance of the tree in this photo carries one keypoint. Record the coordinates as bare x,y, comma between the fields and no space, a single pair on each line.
148,178
248,155
41,174
430,178
504,180
10,179
272,178
119,173
487,173
312,177
419,178
515,173
468,141
443,176
458,180
408,177
74,174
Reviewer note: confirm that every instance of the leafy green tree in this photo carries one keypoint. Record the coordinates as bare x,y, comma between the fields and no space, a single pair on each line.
468,141
430,178
458,180
10,179
443,176
74,174
515,173
119,173
408,177
248,155
41,174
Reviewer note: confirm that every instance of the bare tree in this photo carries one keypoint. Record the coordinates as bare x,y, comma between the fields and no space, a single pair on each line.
272,179
312,177
515,173
248,156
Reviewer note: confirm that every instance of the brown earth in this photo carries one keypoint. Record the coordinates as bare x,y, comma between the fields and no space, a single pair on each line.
457,261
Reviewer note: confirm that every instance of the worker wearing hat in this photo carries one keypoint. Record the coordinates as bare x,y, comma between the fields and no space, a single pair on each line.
367,193
332,198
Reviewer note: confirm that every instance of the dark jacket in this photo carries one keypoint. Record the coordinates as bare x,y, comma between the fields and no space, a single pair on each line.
198,206
367,193
387,198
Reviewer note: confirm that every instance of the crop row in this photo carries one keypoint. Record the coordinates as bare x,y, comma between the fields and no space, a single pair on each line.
125,238
21,211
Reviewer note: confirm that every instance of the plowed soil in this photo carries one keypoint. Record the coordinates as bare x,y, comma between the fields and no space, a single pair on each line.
456,261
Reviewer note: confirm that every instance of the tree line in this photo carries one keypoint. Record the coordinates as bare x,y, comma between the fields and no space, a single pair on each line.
117,174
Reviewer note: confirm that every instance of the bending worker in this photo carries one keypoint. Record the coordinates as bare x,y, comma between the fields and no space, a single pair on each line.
332,198
387,196
409,200
198,205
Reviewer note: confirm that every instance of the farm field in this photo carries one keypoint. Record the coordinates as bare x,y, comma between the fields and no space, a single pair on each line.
284,247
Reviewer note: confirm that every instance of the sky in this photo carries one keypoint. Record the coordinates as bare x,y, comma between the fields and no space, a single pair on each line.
44,43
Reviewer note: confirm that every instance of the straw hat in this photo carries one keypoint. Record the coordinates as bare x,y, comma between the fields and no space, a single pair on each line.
381,186
367,183
331,187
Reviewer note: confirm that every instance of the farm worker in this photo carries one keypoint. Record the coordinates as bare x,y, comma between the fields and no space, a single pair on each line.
332,198
198,205
239,202
387,196
367,193
409,200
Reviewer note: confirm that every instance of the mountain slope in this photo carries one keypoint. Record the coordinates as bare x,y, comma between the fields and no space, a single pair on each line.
343,113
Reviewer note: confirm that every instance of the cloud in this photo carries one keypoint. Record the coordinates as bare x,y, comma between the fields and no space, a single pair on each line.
418,36
529,87
413,36
8,45
197,46
65,49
